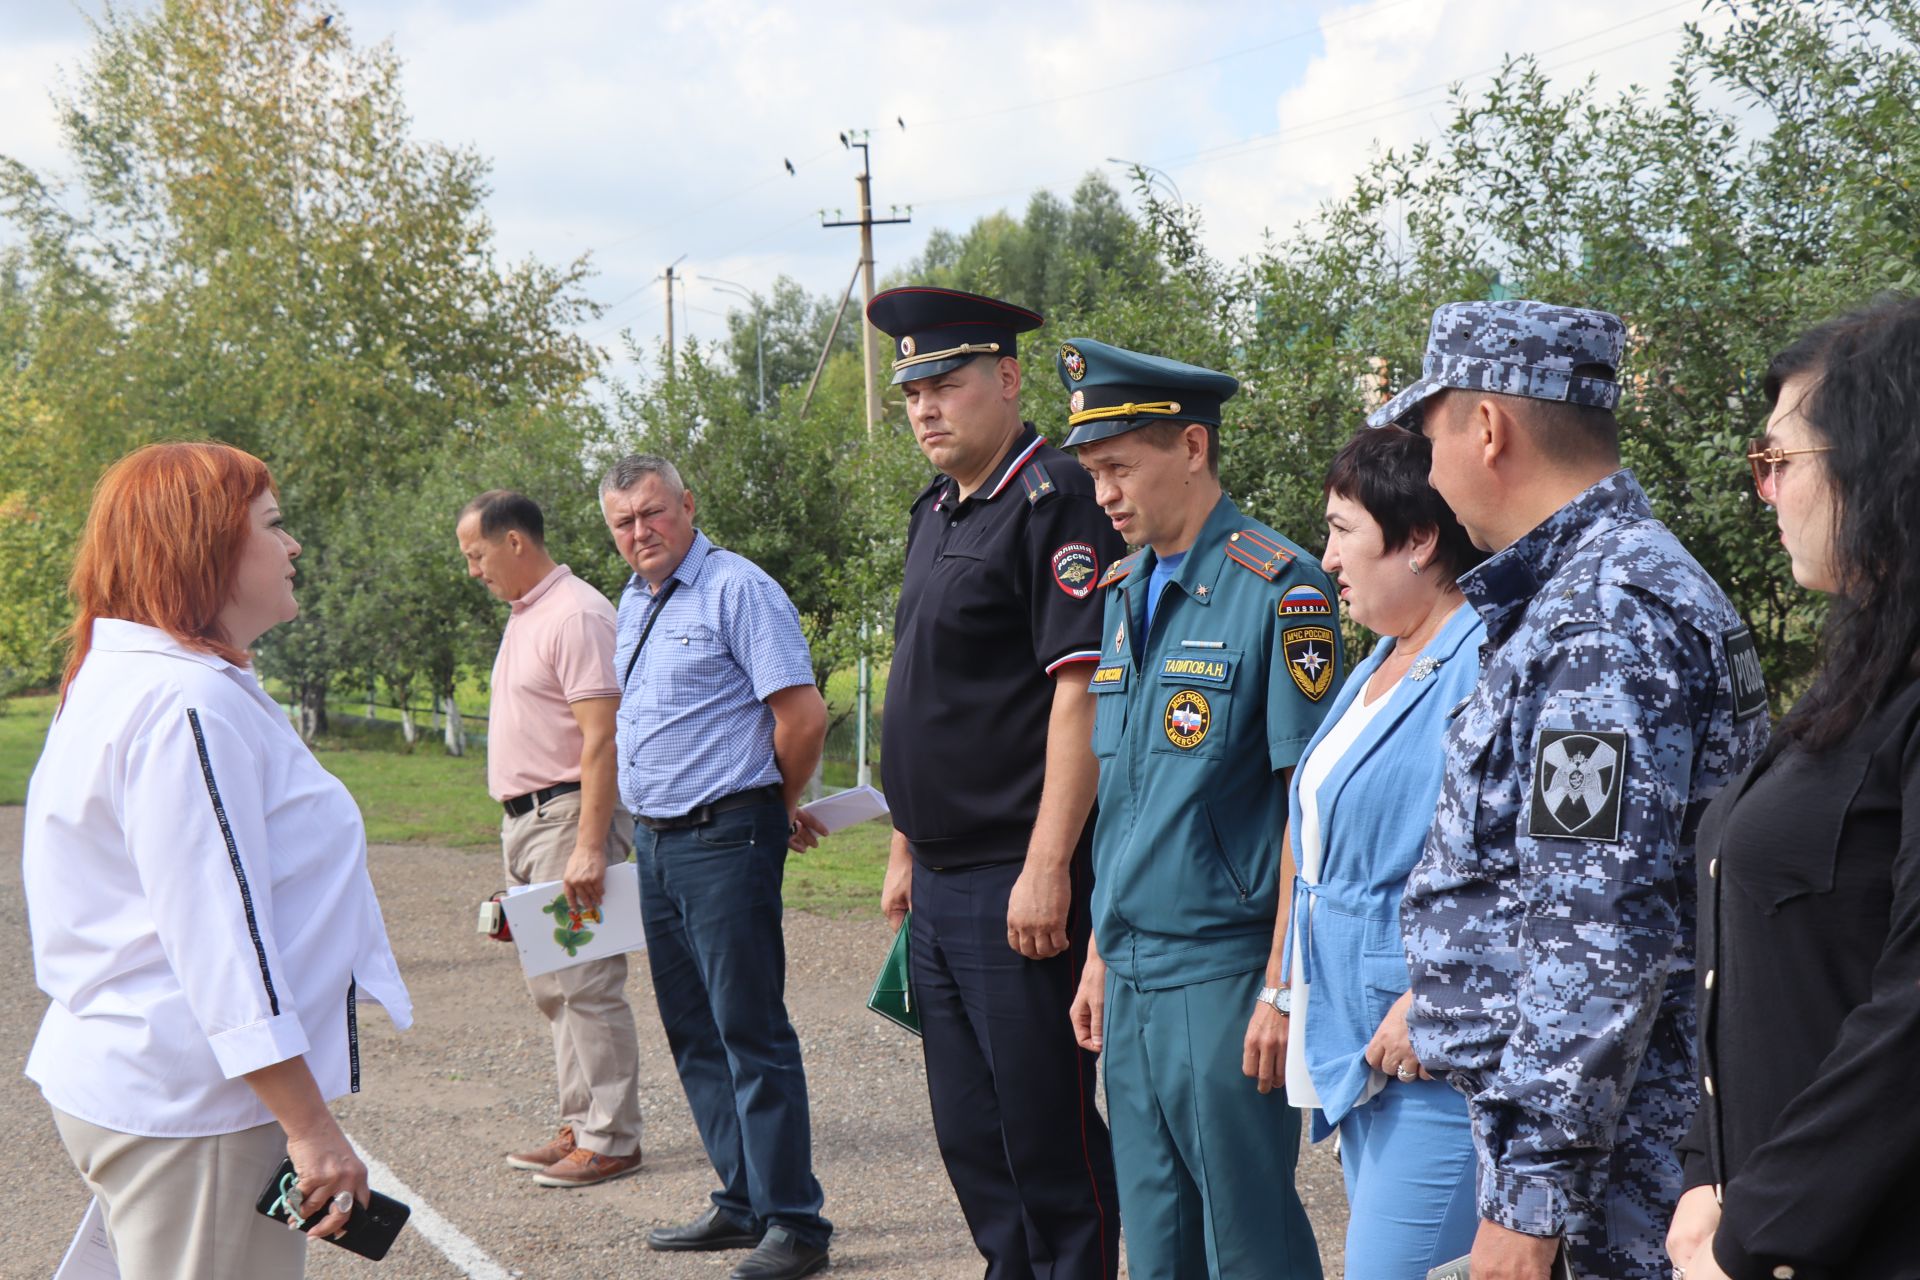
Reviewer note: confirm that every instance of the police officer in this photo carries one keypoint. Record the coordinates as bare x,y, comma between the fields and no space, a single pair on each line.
1219,654
1549,923
986,765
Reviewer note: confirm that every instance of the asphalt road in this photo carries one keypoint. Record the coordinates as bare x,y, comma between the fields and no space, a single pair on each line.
444,1101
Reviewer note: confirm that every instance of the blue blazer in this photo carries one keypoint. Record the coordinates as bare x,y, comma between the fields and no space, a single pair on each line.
1375,809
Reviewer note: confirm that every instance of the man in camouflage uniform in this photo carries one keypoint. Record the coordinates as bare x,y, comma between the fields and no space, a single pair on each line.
1549,924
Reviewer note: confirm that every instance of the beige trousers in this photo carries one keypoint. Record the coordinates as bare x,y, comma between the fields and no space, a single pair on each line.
183,1208
596,1053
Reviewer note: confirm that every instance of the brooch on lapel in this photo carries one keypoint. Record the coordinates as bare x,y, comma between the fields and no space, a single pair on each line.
1422,668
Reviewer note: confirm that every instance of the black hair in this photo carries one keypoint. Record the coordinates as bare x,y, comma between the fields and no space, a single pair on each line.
1865,405
503,509
1385,469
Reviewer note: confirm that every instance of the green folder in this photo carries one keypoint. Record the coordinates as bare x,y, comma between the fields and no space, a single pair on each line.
892,996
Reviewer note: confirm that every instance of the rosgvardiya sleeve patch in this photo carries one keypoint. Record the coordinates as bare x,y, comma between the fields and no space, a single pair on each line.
1579,778
1075,569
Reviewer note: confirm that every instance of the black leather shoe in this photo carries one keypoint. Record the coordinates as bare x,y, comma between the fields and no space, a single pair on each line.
781,1257
710,1231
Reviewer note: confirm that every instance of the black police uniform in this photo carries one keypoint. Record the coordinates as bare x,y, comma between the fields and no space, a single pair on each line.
998,596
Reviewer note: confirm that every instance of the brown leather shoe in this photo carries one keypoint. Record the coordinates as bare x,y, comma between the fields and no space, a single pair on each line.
538,1159
583,1168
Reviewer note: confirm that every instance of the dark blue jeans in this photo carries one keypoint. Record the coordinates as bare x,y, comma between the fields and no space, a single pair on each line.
710,900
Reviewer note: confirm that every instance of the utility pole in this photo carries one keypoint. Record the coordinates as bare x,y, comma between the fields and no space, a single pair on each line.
851,139
669,278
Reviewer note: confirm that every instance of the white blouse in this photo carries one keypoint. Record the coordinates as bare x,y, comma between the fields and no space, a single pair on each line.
1313,774
198,896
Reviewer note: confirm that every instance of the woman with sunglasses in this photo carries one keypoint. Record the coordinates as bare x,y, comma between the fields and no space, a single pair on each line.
1804,1158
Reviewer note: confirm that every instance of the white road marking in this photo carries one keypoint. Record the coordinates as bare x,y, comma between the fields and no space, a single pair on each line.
452,1242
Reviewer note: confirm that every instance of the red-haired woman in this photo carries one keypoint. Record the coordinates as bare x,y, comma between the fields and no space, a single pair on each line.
197,887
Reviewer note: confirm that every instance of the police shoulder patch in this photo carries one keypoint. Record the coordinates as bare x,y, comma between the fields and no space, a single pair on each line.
1119,569
1309,654
1075,568
1578,778
1252,549
1743,665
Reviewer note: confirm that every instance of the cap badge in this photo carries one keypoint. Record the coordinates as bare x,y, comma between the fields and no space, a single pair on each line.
906,346
1076,402
1075,363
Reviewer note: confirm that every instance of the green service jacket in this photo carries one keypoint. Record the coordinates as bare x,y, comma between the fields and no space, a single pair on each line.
1192,726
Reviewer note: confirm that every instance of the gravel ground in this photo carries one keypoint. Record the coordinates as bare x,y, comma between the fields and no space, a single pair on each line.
443,1102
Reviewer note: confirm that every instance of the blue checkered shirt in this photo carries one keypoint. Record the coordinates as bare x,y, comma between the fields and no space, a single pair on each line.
694,724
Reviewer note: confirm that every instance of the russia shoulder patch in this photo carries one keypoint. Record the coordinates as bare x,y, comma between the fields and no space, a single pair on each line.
1304,601
1075,569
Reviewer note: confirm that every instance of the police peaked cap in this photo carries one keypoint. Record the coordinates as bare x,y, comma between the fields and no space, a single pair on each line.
937,330
1113,390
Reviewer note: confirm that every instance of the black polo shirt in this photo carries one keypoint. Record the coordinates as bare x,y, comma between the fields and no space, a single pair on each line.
998,595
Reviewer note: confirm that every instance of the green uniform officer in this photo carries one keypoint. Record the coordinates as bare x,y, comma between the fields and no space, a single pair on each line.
1219,652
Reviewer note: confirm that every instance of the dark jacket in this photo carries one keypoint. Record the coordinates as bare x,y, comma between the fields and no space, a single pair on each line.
1809,966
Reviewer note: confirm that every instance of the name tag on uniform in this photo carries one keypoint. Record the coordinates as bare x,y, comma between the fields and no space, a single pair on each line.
1207,669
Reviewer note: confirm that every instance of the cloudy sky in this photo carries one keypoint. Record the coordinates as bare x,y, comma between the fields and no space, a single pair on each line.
640,131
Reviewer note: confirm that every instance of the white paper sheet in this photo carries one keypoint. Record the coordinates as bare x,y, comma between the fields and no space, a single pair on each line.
544,927
89,1257
844,808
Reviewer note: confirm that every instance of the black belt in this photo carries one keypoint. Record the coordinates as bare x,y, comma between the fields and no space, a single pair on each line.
769,794
534,799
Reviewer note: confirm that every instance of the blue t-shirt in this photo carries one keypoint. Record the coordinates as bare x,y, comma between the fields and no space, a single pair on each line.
1163,571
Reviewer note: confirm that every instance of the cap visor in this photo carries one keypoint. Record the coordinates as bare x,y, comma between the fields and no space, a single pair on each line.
931,369
1401,405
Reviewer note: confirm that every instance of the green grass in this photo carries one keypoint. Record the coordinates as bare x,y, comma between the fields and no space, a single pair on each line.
23,728
425,796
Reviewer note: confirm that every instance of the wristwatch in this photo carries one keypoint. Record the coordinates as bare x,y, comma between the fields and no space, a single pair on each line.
1281,998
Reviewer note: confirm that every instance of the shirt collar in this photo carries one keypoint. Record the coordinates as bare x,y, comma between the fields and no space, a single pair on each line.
540,588
1019,453
1500,587
688,571
1197,573
117,635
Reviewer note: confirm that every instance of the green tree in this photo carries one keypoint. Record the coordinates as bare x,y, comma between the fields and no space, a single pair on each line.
255,249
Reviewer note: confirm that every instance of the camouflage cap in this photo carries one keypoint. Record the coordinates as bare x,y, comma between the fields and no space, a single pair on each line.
1516,348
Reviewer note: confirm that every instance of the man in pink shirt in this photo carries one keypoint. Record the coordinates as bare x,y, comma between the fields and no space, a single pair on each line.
551,764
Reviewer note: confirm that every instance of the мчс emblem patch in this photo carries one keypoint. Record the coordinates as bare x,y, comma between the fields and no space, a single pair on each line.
1577,780
1075,569
1076,364
1188,718
1304,601
1309,653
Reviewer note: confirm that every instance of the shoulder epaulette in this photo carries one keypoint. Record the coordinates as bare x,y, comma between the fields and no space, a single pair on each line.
1252,549
1119,569
1039,484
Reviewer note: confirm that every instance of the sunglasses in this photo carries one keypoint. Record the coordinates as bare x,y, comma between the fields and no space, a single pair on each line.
1767,461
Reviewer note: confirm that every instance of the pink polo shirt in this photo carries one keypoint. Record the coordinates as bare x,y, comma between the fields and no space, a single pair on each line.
557,650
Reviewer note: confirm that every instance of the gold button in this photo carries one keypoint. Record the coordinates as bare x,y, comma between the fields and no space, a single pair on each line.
1709,1083
1710,974
1233,538
1713,869
1783,1272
